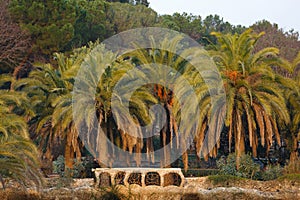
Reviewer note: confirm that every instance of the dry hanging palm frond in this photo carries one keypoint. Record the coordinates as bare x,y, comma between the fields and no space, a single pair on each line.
254,145
260,122
230,133
150,149
139,147
185,160
242,141
269,129
249,122
200,138
275,129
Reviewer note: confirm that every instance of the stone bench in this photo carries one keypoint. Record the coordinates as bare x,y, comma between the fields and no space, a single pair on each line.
140,176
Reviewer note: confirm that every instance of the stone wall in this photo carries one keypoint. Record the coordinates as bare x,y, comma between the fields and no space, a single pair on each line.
139,176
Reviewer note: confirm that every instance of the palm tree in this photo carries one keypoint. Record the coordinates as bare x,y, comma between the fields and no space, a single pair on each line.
93,106
18,155
255,104
173,92
292,92
49,89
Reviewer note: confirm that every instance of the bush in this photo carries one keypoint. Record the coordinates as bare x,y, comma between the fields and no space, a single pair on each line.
81,169
59,165
292,167
66,175
273,172
247,167
78,169
227,166
224,180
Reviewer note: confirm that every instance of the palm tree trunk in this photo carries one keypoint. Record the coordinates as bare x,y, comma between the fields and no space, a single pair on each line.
294,150
185,160
2,182
69,153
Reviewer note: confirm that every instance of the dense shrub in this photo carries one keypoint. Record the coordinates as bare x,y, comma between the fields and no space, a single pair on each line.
271,173
81,169
59,165
247,167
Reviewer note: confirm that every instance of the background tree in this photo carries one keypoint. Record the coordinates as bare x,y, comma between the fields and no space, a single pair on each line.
214,23
14,43
188,24
135,2
50,23
123,17
91,23
197,28
287,42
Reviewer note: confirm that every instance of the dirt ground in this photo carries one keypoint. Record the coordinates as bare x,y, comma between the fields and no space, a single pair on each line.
193,189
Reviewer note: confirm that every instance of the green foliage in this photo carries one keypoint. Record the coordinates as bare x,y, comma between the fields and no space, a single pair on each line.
59,168
66,174
124,17
188,24
223,179
91,23
59,165
198,28
79,169
247,168
227,166
51,23
271,173
255,101
133,2
49,89
214,23
60,25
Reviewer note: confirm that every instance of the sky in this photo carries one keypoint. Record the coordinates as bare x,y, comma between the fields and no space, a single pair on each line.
285,13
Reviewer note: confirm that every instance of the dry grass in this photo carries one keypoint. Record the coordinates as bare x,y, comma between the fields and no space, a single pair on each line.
221,187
